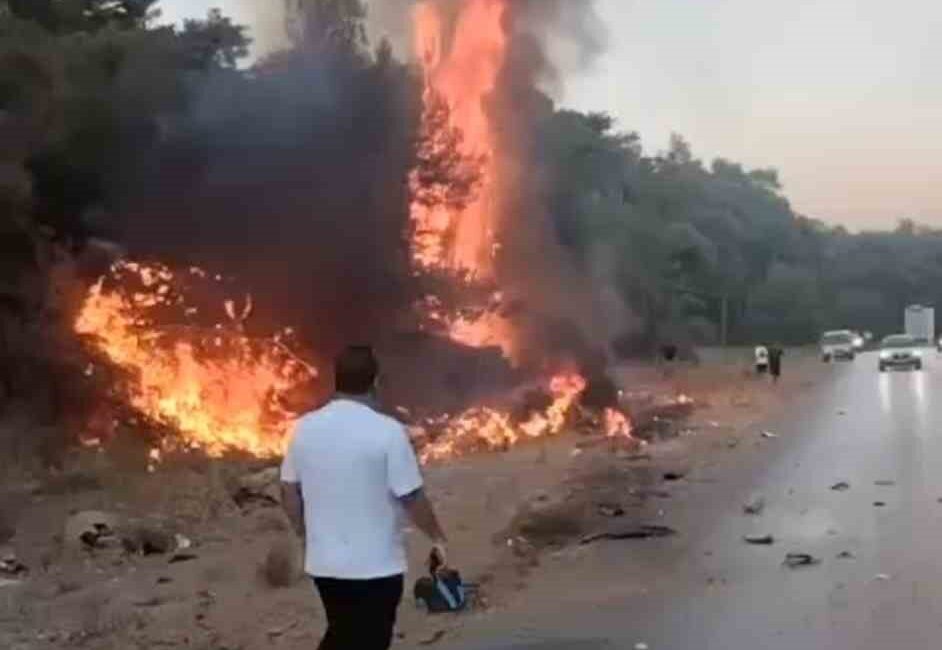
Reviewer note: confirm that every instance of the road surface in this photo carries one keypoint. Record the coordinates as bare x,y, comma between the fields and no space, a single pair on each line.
708,590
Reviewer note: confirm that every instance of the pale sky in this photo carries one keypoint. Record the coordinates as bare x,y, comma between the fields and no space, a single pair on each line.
844,97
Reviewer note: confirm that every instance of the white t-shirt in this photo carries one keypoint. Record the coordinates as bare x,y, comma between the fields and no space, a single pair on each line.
762,356
353,465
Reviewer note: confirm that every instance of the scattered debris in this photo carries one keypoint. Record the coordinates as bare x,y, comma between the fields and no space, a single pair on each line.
10,566
882,577
732,443
846,555
91,529
641,646
759,540
879,504
841,487
435,638
164,580
639,532
607,510
673,476
797,560
260,489
754,506
182,542
885,483
177,558
769,435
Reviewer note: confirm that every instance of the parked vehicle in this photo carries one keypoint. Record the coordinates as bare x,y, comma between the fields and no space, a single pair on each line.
900,351
837,345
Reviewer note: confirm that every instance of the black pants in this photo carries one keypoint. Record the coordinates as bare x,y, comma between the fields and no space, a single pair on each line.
361,614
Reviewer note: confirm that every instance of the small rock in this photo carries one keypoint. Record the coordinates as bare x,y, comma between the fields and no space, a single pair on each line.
164,580
882,577
886,483
841,486
176,558
755,506
879,504
11,567
846,555
182,542
759,540
90,528
732,443
769,435
673,476
148,540
796,560
259,489
276,632
641,646
611,511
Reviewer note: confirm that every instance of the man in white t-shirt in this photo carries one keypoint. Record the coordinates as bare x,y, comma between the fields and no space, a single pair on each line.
348,475
762,359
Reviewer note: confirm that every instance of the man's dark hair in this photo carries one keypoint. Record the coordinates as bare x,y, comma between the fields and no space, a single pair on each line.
355,370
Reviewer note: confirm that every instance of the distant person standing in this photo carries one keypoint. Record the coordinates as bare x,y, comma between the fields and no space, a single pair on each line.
348,475
775,361
762,360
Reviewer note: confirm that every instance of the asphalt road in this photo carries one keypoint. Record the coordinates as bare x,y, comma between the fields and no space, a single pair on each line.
709,590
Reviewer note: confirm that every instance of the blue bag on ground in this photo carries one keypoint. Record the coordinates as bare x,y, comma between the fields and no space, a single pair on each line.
442,593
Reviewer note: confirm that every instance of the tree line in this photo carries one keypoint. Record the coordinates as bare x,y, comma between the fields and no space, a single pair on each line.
697,250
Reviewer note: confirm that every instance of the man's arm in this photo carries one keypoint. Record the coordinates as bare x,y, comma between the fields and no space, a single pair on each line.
293,503
422,514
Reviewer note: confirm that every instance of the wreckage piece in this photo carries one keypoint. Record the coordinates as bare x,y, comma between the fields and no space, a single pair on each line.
759,540
798,560
637,532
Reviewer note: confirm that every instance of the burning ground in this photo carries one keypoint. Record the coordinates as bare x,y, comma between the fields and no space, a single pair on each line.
463,261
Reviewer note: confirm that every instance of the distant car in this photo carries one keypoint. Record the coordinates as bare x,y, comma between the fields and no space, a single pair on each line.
837,345
900,351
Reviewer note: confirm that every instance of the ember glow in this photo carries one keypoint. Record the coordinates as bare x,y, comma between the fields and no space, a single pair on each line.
486,429
219,388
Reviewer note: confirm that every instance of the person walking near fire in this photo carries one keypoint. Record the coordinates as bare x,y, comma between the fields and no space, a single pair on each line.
348,475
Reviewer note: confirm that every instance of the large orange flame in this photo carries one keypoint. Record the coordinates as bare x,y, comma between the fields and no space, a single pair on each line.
219,388
461,69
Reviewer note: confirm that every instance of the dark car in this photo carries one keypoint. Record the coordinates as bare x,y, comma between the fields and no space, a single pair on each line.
900,351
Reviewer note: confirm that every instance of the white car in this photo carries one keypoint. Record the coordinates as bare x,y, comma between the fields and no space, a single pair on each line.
900,351
838,344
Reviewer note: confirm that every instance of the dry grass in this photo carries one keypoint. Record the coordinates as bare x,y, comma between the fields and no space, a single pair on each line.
550,524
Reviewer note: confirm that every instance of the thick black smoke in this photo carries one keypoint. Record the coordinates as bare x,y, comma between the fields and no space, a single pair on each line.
293,181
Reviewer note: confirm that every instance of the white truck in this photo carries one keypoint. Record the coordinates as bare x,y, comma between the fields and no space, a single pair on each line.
920,323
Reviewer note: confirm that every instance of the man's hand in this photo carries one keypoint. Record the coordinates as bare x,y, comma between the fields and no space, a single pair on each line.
438,558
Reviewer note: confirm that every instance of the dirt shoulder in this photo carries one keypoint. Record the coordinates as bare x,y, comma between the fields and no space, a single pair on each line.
225,575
